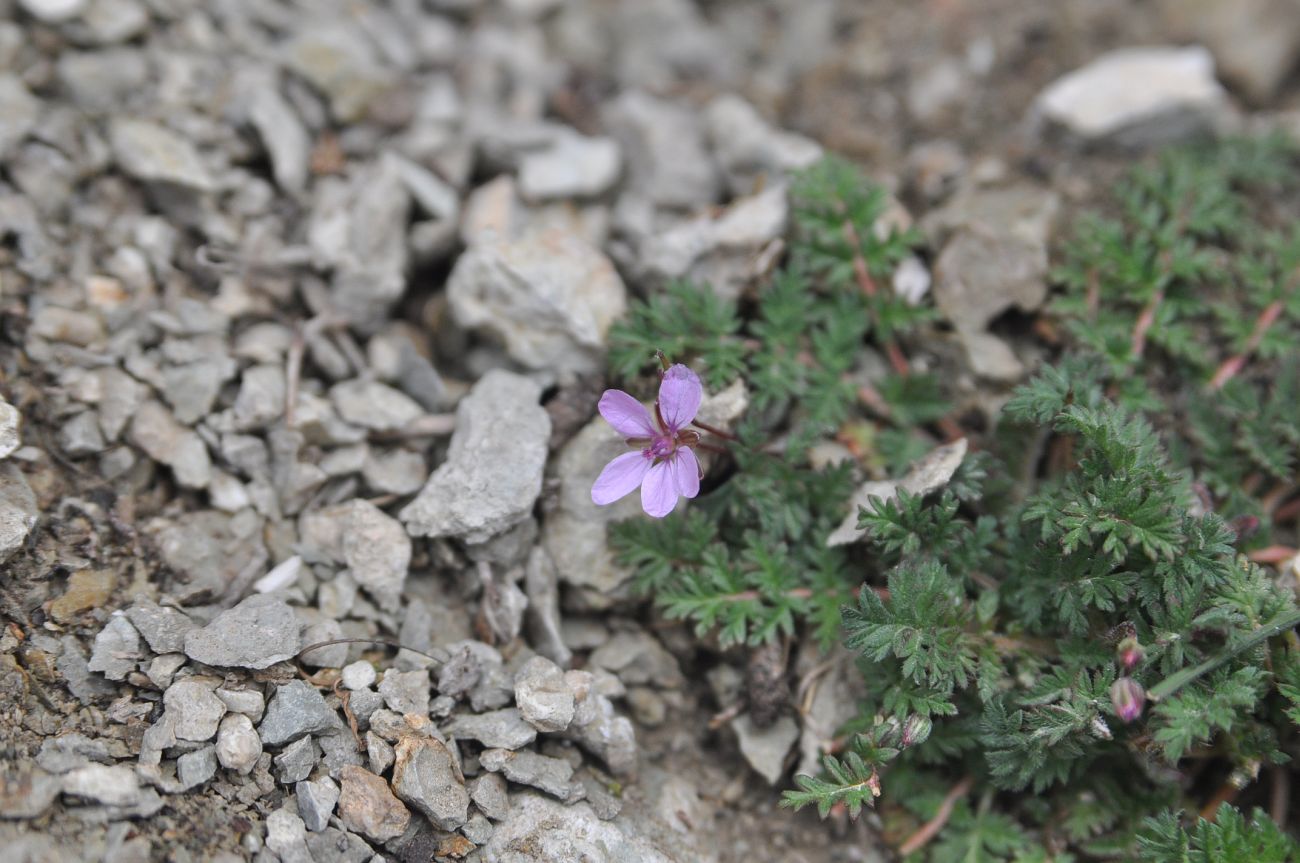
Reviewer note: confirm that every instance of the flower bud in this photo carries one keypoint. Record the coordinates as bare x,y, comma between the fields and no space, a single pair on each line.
1130,653
916,729
1127,697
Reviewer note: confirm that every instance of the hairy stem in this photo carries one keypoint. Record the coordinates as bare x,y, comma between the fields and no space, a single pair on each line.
1233,365
931,828
1179,679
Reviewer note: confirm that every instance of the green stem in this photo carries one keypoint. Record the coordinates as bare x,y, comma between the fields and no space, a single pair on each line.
1178,680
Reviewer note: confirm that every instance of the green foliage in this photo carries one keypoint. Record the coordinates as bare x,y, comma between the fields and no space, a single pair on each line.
1227,839
986,614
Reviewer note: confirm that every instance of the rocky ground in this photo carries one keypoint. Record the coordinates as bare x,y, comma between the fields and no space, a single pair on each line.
304,308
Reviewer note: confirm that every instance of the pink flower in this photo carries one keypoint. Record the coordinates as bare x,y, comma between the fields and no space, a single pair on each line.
1127,697
664,465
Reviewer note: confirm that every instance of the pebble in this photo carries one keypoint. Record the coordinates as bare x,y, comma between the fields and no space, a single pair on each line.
66,325
238,746
53,11
358,675
372,544
257,633
380,753
331,656
766,748
749,150
195,768
478,829
87,589
10,424
80,435
668,163
367,806
598,728
573,166
163,668
281,131
490,794
70,751
567,832
163,439
296,709
493,473
286,835
427,777
153,153
552,775
549,296
397,471
544,698
111,785
28,793
297,760
373,405
117,649
249,702
316,800
406,691
1255,42
164,629
1136,97
497,729
194,708
638,658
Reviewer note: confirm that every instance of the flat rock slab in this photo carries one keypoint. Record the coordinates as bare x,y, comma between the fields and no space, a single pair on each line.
493,472
259,632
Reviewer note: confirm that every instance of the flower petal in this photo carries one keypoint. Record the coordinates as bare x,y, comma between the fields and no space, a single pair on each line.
620,477
658,491
627,415
680,393
686,472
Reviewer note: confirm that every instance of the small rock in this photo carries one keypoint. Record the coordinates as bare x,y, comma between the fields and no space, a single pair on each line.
367,806
749,149
766,748
296,709
597,728
406,691
113,786
664,144
316,801
150,152
380,752
1137,97
497,729
427,777
27,793
478,829
358,675
342,67
10,423
163,668
164,440
195,768
638,658
573,166
549,296
249,702
491,796
18,511
331,656
53,11
542,587
259,632
1256,42
398,471
552,775
194,708
65,325
493,472
117,649
373,545
70,751
261,397
164,629
282,133
296,762
544,698
287,837
87,589
238,746
373,405
542,830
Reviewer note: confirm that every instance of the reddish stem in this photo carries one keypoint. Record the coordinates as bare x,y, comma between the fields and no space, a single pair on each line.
714,430
931,828
1272,554
1144,322
1233,365
868,285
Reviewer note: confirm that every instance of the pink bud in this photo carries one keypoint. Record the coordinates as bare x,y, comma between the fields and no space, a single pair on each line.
1130,653
1127,697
